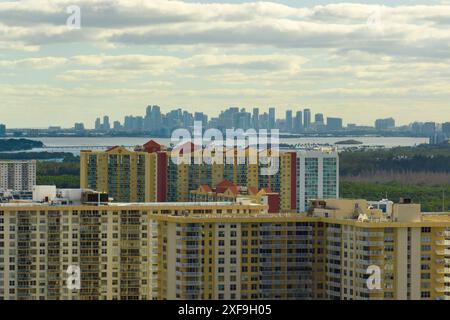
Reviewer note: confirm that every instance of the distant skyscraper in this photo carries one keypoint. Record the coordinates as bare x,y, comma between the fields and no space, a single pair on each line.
98,124
198,116
385,124
106,124
255,118
138,124
298,122
271,118
446,128
334,124
79,126
2,130
306,118
156,117
288,125
117,125
135,124
429,128
318,119
416,127
148,118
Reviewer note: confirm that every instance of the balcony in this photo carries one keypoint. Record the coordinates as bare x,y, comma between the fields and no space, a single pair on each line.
443,271
371,243
443,261
443,280
334,239
443,289
443,242
444,252
370,262
443,233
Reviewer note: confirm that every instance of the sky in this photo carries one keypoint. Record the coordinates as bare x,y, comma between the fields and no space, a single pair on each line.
359,60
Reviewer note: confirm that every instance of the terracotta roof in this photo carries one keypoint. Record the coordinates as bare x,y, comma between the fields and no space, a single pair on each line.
205,188
252,190
224,185
152,146
267,190
233,189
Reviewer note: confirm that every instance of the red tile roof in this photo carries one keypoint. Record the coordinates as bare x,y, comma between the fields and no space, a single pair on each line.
152,146
206,188
252,190
226,184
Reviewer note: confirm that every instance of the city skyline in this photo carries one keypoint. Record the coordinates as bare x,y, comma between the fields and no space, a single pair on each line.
264,115
360,61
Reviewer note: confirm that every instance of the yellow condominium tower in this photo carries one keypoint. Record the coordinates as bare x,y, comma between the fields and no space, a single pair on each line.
127,176
114,249
369,254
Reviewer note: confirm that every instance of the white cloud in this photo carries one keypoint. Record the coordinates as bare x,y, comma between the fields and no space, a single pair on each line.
248,53
407,30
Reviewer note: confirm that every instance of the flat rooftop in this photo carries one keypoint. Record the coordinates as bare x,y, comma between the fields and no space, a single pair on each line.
131,204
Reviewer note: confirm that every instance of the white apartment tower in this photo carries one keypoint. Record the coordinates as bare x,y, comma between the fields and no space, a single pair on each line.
317,176
17,175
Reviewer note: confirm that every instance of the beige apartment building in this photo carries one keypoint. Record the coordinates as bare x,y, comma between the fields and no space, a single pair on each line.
222,251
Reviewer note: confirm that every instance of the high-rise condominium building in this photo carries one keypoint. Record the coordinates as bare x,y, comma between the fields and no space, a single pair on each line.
17,175
149,174
406,252
341,249
127,176
317,176
301,176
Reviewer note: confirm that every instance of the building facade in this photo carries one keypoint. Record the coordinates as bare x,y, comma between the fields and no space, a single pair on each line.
317,176
222,251
127,176
153,174
17,175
